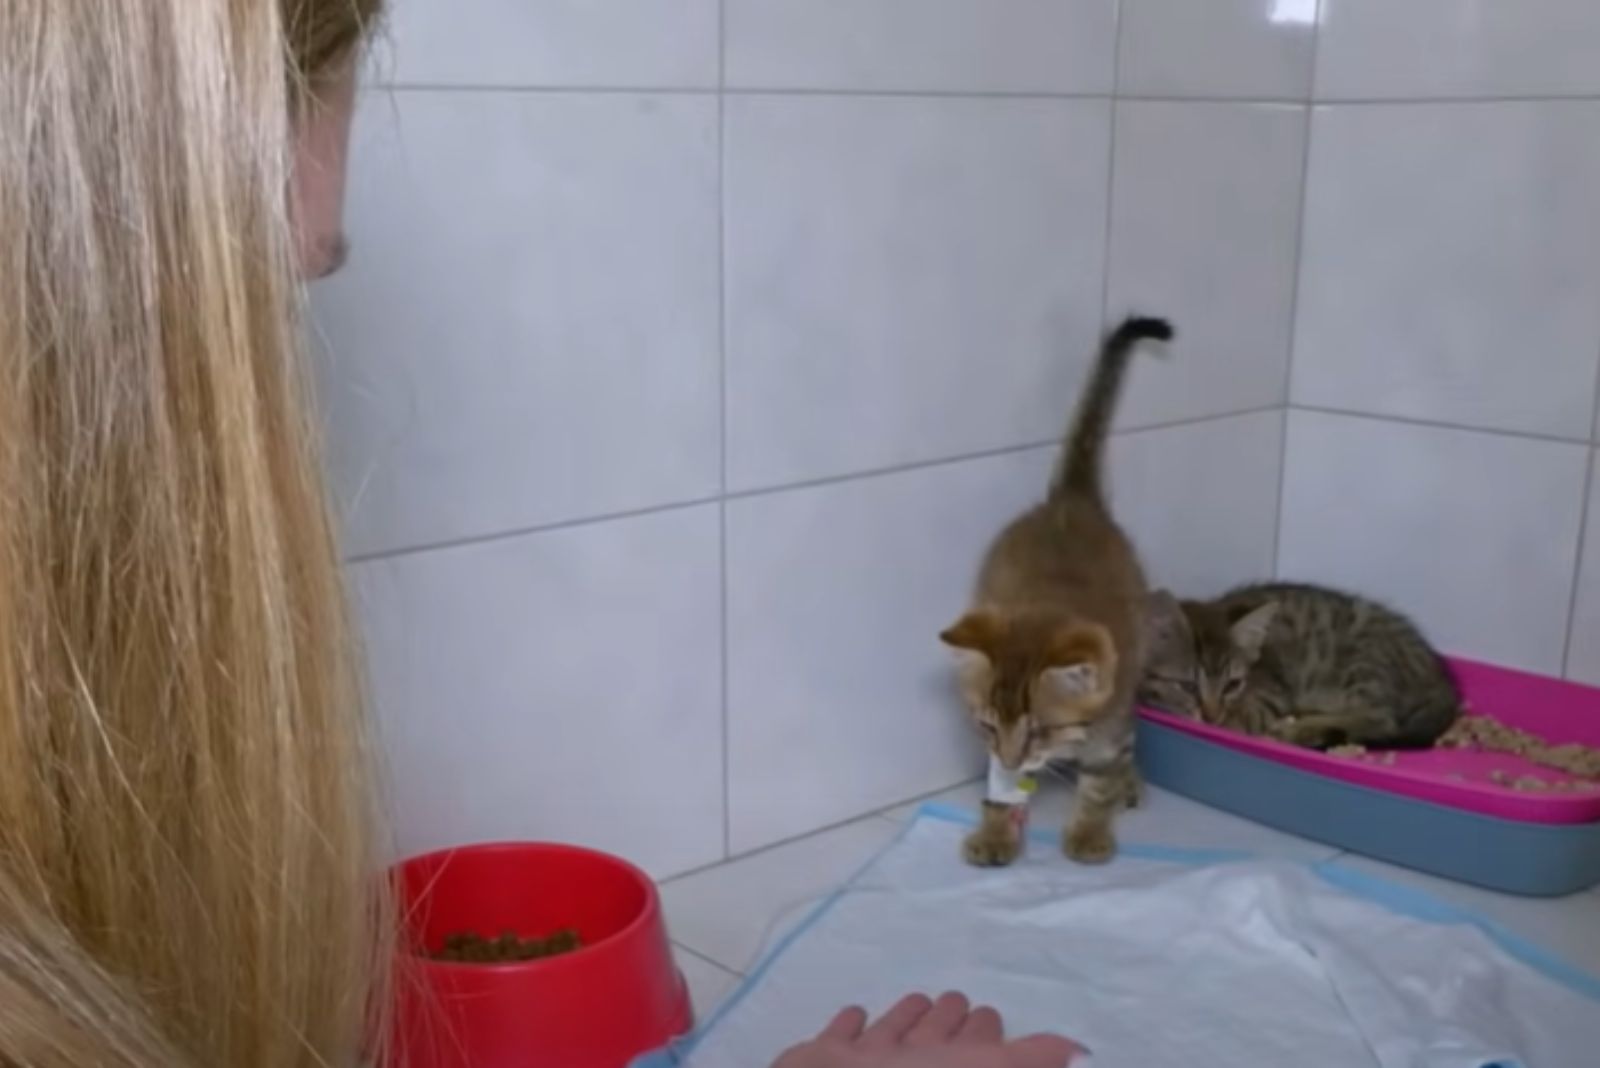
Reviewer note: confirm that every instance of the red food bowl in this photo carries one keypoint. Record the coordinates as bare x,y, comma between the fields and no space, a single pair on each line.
600,1006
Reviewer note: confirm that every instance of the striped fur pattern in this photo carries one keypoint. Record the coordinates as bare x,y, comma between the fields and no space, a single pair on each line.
1052,648
1307,665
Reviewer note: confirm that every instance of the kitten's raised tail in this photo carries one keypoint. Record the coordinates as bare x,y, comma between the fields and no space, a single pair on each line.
1078,473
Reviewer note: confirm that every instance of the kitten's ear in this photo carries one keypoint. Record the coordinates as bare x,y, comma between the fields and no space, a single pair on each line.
976,632
1166,626
1082,663
1249,631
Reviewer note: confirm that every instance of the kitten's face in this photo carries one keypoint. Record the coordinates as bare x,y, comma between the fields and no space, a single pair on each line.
1032,687
1199,661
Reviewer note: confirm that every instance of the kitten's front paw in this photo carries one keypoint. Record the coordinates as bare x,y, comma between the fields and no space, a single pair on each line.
992,846
1090,843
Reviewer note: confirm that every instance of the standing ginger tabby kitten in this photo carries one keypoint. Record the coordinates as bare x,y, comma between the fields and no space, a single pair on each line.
1052,649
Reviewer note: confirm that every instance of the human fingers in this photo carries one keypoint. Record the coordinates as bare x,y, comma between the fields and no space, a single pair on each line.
889,1029
942,1022
982,1026
1041,1051
846,1026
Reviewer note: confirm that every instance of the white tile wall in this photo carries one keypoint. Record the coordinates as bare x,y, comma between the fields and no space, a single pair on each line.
1260,49
521,43
564,684
1201,501
534,279
1451,274
1043,46
846,260
840,697
1451,269
1474,534
1205,219
1373,49
908,279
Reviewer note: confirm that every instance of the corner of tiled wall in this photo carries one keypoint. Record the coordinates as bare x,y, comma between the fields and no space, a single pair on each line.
1212,111
691,351
1447,338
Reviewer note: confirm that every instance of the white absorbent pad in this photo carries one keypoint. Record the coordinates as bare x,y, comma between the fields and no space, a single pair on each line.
1167,959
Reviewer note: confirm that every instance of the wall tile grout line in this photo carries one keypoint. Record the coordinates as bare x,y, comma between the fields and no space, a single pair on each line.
1283,485
1492,98
709,90
1195,420
734,858
1312,101
1583,532
722,411
1440,424
547,89
1112,120
1308,115
1577,565
923,93
1211,99
976,94
774,490
860,817
470,540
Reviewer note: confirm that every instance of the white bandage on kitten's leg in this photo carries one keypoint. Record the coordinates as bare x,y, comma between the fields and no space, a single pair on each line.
1000,835
1008,787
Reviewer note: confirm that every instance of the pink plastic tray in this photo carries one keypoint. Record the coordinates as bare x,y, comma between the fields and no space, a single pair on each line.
1557,711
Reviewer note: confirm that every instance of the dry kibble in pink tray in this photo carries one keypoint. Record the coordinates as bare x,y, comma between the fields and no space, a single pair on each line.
1487,734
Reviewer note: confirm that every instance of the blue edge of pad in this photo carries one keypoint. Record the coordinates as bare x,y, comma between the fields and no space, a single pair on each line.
1405,900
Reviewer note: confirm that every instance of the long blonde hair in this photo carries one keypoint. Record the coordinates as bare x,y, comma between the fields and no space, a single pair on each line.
190,871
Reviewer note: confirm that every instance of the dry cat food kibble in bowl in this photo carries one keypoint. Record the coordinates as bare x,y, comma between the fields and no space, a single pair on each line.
598,992
469,947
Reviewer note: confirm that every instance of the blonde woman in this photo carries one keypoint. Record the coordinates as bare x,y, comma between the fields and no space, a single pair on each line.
189,841
187,827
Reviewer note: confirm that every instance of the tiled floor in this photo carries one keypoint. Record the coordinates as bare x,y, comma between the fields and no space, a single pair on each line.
723,917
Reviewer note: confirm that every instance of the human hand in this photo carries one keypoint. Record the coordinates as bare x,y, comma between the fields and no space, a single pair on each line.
918,1033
